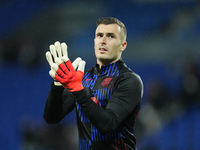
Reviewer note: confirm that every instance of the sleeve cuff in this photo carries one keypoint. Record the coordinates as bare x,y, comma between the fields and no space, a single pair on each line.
81,96
59,88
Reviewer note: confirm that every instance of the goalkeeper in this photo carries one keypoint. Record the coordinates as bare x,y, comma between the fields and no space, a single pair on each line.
106,97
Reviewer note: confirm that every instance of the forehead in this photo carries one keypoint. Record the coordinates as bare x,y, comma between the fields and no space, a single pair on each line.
110,28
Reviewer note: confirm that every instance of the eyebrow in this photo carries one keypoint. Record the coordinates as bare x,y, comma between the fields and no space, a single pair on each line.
108,34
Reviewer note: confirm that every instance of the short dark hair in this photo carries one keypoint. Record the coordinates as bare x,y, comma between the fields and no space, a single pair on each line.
111,20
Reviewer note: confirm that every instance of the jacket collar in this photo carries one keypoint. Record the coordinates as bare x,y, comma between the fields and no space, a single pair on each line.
108,69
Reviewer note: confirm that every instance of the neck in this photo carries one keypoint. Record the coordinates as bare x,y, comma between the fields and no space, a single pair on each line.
101,63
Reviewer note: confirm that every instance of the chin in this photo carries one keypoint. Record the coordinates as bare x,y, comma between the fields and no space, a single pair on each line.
103,58
100,56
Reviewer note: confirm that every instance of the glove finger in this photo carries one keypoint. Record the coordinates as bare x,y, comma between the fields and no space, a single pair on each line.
58,49
65,57
58,61
81,66
53,51
69,65
54,67
58,78
49,58
60,73
57,83
62,70
76,62
52,73
55,70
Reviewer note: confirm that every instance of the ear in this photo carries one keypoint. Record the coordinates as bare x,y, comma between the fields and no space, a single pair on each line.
123,46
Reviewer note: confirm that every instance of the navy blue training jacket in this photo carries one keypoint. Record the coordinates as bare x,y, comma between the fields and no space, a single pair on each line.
107,108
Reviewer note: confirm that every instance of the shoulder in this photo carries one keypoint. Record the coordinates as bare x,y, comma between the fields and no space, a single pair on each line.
129,77
126,72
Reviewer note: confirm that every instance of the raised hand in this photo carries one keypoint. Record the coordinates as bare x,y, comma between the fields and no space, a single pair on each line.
55,51
62,70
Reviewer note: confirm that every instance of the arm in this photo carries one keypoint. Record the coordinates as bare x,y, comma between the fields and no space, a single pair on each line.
58,104
125,98
59,101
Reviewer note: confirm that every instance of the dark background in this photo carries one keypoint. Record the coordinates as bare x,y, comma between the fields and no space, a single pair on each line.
163,48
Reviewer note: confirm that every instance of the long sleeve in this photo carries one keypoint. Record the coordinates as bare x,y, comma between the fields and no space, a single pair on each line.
125,98
59,103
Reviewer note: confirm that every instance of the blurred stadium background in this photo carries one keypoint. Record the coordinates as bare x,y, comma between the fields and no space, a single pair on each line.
163,48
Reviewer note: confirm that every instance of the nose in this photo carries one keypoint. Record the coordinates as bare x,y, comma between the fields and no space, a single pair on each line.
103,40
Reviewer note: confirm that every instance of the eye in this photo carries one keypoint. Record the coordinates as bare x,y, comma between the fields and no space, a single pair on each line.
99,35
111,35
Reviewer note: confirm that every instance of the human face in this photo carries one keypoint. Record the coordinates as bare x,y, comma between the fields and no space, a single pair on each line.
108,43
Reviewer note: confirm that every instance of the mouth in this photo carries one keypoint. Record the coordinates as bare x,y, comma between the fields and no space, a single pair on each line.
101,49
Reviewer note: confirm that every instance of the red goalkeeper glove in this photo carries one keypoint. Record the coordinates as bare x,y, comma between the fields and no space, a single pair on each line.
63,70
68,76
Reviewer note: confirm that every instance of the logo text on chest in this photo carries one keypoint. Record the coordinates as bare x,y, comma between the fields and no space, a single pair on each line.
106,81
